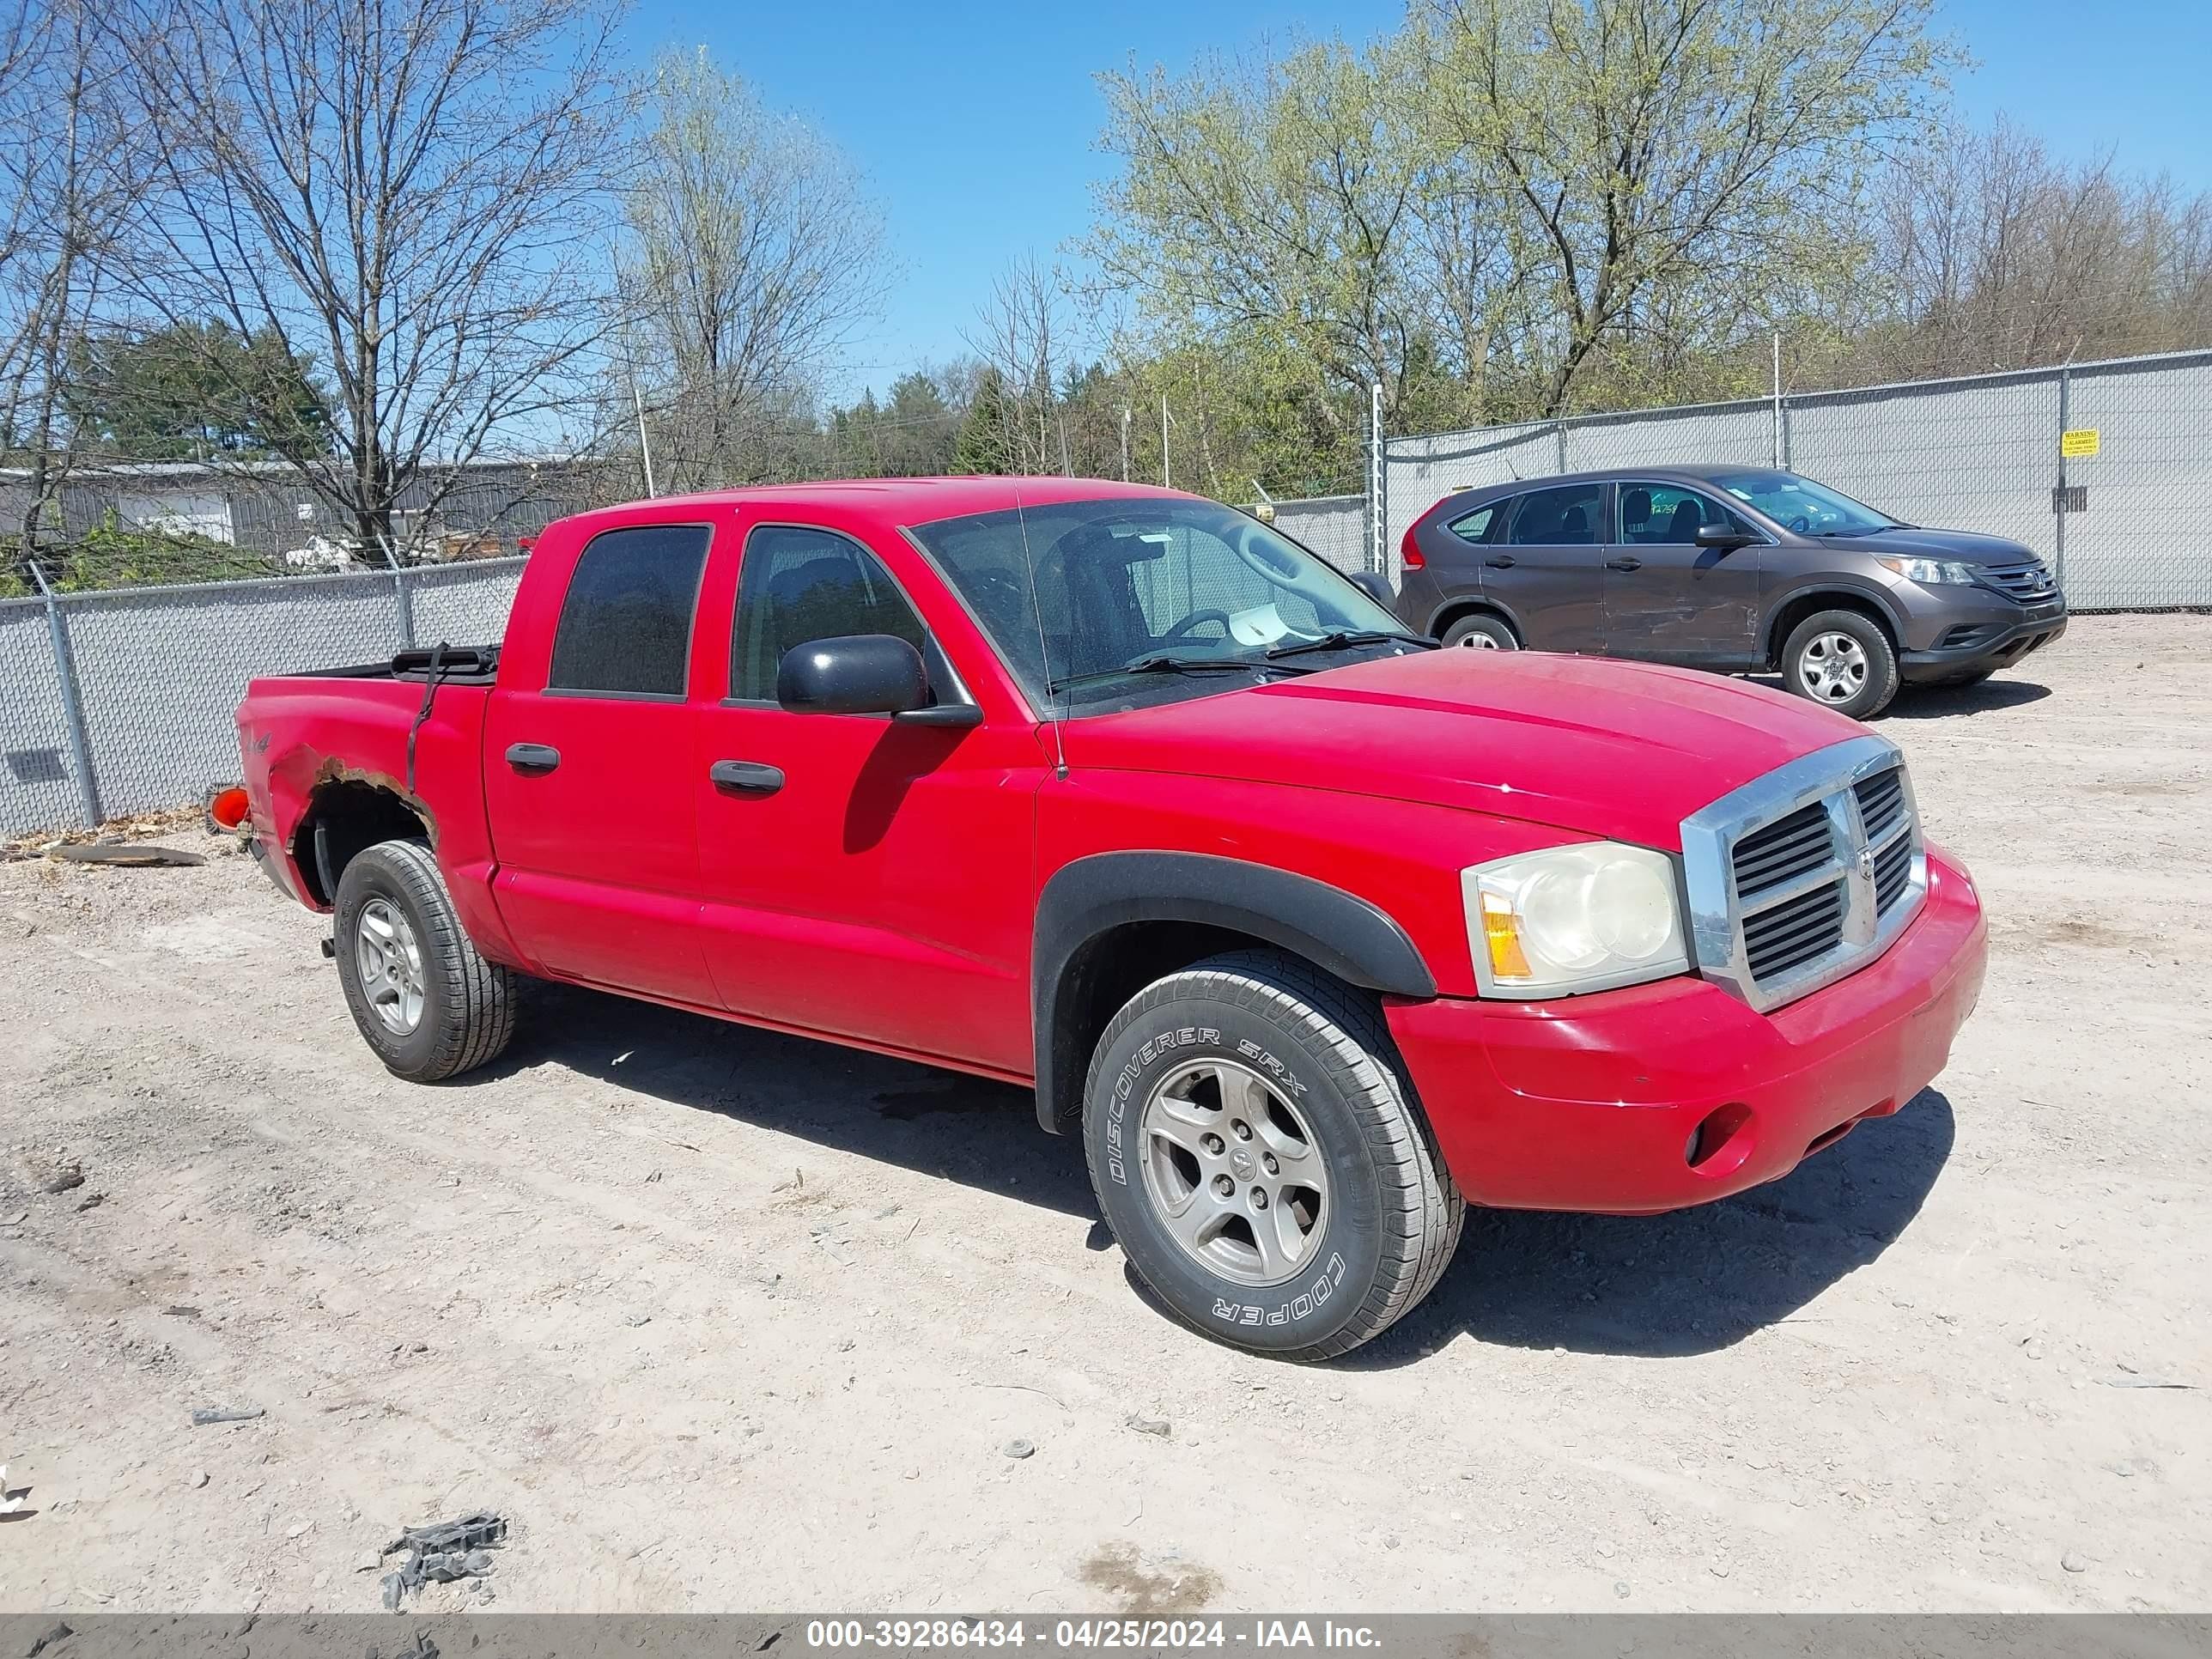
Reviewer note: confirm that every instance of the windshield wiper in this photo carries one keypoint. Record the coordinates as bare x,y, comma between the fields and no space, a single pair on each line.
1165,663
1342,639
1869,529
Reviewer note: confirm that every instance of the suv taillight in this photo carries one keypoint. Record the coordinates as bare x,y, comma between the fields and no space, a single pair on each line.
1409,552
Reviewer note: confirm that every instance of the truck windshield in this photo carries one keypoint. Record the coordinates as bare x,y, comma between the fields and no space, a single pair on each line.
1107,602
1799,504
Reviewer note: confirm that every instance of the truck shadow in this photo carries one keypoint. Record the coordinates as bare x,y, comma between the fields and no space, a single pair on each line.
969,1129
1658,1287
1690,1282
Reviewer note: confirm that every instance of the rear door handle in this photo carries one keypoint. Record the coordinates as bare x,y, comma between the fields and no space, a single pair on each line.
532,757
1503,562
746,777
1624,564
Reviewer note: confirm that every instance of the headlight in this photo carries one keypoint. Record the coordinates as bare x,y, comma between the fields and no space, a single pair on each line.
1573,919
1930,572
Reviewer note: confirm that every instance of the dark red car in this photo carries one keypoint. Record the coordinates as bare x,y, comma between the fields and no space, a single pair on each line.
1315,931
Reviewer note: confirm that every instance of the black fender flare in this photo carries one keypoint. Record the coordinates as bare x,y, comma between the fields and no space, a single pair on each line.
1821,588
1339,932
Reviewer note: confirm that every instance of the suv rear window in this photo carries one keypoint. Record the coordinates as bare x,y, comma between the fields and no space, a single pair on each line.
1475,526
625,626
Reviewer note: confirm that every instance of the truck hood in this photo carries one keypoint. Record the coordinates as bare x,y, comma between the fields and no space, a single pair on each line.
1625,750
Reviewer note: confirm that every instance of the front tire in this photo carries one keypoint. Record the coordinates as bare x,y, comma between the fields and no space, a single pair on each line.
425,999
1256,1150
1841,659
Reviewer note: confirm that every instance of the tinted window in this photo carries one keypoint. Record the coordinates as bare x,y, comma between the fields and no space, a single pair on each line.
1475,526
1660,513
1566,517
797,584
626,624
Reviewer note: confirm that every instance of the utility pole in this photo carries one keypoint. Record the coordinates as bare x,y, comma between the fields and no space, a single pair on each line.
1776,442
1165,482
644,444
1125,443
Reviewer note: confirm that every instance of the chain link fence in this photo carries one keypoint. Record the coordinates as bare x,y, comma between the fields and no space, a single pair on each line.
1981,453
122,701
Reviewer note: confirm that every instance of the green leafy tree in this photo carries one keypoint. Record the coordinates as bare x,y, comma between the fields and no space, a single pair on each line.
195,390
986,443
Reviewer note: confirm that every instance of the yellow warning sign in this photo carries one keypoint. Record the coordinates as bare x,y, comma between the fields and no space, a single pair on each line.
2080,441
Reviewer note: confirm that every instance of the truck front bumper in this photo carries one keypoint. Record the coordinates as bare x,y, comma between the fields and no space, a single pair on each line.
1671,1094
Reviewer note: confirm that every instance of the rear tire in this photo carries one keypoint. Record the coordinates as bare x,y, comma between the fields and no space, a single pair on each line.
1841,659
425,999
1199,1082
1482,632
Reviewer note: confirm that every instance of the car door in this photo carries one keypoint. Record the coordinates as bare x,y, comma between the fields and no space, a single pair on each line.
587,772
1667,599
864,876
1547,570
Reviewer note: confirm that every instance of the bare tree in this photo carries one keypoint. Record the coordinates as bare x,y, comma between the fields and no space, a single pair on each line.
754,256
1020,332
1993,255
413,194
72,167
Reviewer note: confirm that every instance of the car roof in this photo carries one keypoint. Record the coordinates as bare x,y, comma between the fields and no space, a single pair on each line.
1693,472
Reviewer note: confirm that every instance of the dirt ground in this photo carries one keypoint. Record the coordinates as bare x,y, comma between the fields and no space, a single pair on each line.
724,1321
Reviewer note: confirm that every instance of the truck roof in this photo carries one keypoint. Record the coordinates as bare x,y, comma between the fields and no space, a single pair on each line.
913,501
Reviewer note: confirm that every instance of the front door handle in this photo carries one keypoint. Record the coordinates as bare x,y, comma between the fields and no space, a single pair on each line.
532,757
1503,562
1624,564
746,777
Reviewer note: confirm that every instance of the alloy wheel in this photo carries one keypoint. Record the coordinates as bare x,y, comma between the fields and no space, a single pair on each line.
1233,1172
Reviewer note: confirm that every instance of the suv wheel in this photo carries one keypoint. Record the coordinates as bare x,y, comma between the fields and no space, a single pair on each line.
1257,1153
424,999
1843,659
1482,632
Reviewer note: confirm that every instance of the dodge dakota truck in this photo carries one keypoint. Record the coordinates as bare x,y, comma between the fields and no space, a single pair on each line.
1315,931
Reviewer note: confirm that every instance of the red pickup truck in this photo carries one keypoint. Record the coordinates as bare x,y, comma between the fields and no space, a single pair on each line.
1315,931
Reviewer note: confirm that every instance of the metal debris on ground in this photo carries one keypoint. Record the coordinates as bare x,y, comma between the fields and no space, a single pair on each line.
441,1552
135,854
204,1415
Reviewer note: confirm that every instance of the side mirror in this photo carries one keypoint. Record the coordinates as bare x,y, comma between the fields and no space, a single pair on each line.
1376,587
1721,537
853,674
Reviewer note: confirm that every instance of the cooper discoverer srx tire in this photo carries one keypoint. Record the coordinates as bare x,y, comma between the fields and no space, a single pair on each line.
1256,1148
424,997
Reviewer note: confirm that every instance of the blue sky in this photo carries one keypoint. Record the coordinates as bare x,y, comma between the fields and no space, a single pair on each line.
974,123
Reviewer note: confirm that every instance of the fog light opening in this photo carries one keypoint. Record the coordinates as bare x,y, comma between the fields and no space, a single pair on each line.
1721,1141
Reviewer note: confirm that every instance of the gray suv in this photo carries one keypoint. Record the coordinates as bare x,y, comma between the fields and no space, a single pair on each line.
1738,569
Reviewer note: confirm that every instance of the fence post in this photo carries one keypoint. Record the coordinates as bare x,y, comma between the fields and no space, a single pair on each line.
1562,466
2058,501
402,598
72,705
1378,486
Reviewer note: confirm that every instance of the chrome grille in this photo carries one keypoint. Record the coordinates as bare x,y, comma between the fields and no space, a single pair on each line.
1783,851
1804,875
1794,932
1882,799
2030,583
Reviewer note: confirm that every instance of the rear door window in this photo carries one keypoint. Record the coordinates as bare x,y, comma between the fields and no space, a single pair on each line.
625,628
1565,517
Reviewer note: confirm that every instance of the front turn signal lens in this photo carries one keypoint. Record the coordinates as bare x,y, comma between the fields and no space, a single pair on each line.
1501,930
